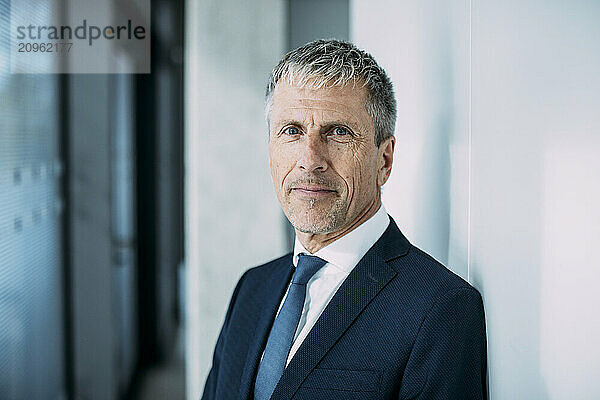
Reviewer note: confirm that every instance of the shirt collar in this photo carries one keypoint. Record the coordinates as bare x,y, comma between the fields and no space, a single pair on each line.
346,252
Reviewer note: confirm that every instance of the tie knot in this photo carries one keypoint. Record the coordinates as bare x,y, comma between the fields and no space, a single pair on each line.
307,267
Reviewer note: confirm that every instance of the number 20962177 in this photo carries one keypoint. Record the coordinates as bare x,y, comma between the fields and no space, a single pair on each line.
50,47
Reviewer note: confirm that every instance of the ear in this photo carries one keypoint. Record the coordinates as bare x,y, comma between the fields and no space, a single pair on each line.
385,155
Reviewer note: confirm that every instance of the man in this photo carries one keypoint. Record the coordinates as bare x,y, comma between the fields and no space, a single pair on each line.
356,312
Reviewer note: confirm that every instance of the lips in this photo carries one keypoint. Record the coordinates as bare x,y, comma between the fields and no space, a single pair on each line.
312,189
311,192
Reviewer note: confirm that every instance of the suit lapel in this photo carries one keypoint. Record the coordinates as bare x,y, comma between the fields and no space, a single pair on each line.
365,281
273,290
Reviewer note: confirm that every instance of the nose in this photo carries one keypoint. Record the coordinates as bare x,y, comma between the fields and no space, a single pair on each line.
313,156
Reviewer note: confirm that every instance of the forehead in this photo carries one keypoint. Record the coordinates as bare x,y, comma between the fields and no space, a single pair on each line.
347,102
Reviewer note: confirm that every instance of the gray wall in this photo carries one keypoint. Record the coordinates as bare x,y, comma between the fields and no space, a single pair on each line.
233,220
496,170
316,19
102,246
91,276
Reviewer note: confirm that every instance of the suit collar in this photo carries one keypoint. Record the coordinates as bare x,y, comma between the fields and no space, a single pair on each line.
363,284
392,243
272,290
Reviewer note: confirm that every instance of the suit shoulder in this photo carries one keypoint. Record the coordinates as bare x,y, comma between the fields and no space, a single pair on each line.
431,276
270,266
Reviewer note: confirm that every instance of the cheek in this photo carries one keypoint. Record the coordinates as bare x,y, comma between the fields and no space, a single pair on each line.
275,170
279,165
359,175
349,169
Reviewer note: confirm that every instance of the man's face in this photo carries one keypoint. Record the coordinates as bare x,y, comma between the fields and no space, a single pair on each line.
324,163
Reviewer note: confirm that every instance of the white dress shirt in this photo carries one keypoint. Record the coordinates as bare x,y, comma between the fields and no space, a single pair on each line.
341,256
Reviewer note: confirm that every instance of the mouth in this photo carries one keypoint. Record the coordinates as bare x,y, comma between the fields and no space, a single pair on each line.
312,191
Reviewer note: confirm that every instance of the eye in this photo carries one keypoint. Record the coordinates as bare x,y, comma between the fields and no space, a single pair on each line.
291,130
340,131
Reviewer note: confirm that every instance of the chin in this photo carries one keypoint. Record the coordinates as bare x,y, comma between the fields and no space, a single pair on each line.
313,229
315,224
321,218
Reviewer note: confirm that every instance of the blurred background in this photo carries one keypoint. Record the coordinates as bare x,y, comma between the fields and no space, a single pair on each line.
131,204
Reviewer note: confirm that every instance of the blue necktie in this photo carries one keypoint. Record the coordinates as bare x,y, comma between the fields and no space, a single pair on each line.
284,328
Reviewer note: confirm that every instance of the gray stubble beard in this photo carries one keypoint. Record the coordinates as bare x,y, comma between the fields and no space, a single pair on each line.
333,220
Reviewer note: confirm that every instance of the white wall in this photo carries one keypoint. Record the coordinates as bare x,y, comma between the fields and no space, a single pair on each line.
233,219
534,192
424,47
496,170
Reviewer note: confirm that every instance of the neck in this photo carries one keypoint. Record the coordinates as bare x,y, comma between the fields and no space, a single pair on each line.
314,242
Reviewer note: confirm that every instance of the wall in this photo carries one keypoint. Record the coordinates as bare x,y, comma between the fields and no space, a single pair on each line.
534,186
495,170
91,250
423,46
233,220
308,20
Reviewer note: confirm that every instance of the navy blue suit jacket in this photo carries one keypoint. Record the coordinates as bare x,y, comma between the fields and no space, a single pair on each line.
401,326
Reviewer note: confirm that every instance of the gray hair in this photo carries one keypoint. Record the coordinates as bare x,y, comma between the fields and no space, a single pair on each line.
327,63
